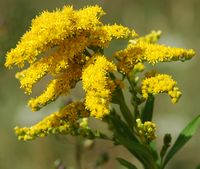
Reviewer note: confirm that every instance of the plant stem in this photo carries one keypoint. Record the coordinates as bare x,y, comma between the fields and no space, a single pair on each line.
78,153
134,96
125,110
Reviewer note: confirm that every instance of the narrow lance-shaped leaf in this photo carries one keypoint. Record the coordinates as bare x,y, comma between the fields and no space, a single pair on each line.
153,149
183,138
140,151
147,112
122,128
127,164
118,98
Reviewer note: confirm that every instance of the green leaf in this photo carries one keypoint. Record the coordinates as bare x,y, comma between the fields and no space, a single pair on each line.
118,98
122,128
147,112
140,151
126,163
153,149
183,138
126,137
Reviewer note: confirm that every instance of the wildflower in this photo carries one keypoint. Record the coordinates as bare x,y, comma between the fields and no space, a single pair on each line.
61,122
72,32
98,86
68,46
143,51
146,130
160,83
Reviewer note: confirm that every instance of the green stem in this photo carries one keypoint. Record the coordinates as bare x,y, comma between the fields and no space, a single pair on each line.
127,115
124,109
78,153
134,101
118,98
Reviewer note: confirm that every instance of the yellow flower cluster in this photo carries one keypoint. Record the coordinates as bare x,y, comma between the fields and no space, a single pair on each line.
98,86
146,130
152,37
70,34
58,86
144,50
101,36
68,45
52,28
61,122
160,83
64,58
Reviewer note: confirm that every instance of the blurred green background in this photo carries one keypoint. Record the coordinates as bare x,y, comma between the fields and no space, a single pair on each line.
180,23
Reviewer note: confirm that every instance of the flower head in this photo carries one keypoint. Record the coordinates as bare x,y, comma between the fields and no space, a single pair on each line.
61,122
68,45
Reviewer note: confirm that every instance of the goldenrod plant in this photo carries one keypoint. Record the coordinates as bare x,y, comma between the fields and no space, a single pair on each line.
68,45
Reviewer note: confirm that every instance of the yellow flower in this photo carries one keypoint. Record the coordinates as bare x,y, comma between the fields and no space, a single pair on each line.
51,29
142,51
68,46
160,83
102,35
98,86
61,122
70,34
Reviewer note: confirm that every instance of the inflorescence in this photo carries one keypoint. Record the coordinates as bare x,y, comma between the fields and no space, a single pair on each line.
69,46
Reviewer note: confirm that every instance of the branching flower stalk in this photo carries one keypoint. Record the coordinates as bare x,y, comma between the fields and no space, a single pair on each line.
68,45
